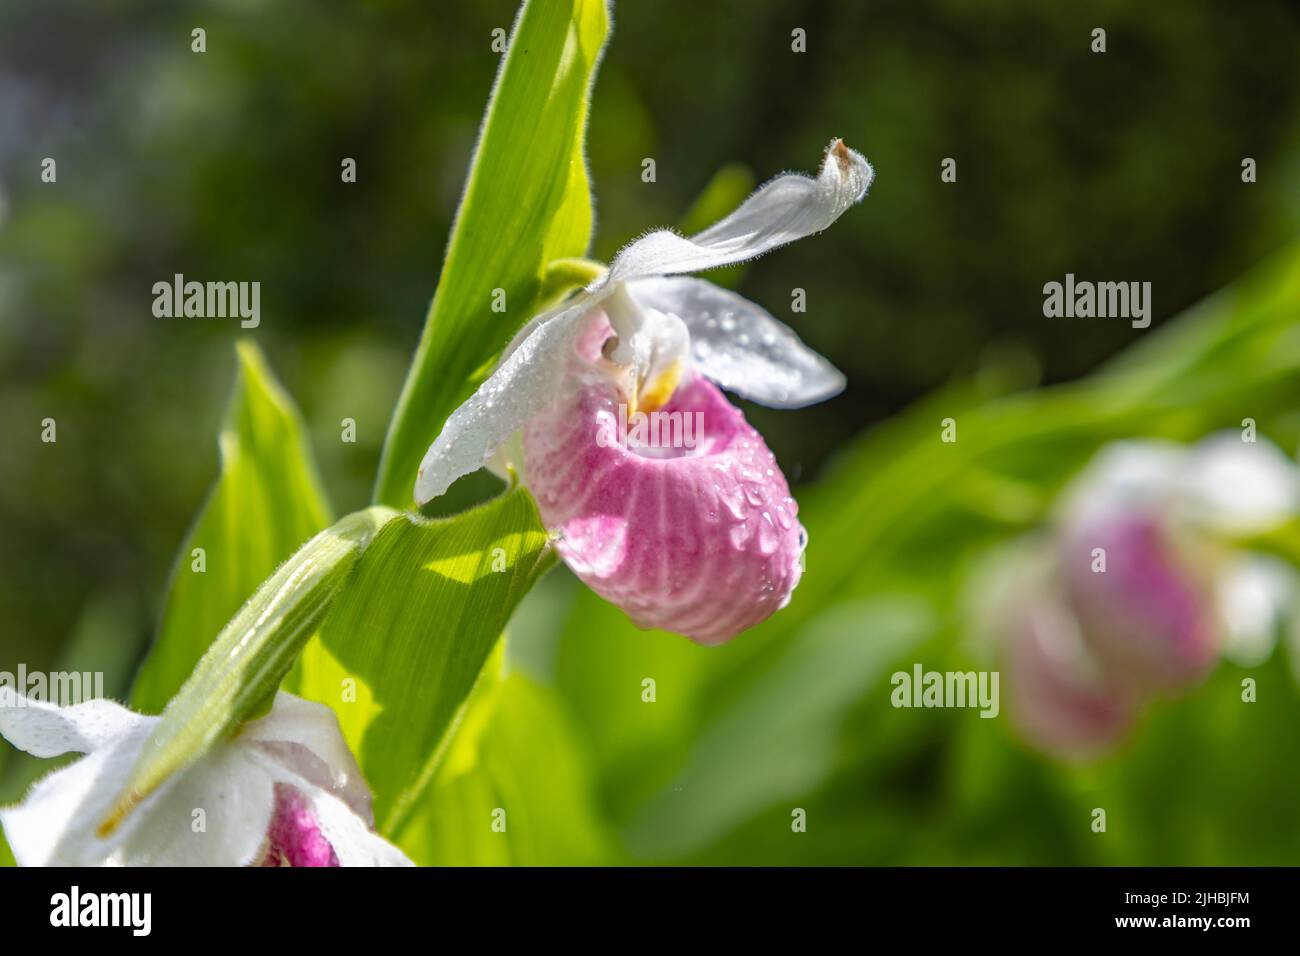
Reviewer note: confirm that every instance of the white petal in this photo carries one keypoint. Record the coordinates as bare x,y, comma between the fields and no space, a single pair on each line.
236,796
1255,594
1239,487
1122,477
789,207
56,823
47,730
305,737
526,381
740,346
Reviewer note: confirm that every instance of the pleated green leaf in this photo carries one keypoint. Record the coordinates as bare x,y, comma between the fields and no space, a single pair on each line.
267,501
527,202
407,638
751,755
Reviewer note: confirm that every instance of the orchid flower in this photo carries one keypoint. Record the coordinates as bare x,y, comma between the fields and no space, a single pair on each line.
1139,587
1166,516
701,540
285,791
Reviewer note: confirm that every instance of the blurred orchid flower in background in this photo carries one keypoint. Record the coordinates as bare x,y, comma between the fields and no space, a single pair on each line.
701,540
1141,585
285,791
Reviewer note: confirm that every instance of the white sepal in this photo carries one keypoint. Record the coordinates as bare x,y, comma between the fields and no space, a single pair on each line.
47,730
525,381
739,345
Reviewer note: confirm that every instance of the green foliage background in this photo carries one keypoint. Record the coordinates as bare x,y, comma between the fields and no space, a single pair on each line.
226,166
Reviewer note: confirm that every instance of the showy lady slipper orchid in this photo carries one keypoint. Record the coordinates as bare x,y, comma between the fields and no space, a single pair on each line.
285,791
1148,559
700,537
1140,585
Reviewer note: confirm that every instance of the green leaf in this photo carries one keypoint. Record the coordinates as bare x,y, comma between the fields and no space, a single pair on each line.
407,638
527,202
777,739
267,501
238,676
514,788
602,661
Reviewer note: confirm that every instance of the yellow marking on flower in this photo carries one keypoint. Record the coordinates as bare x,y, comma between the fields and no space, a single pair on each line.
118,814
657,393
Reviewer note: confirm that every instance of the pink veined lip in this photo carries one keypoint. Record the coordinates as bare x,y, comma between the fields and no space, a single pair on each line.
702,541
1146,614
294,837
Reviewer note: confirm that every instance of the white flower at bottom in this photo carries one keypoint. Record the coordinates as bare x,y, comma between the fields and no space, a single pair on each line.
285,790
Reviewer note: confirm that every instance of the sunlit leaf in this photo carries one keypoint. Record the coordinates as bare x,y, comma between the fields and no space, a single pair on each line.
405,641
513,789
267,501
777,738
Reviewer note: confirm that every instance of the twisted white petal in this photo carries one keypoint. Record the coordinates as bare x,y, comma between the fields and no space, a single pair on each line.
789,207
